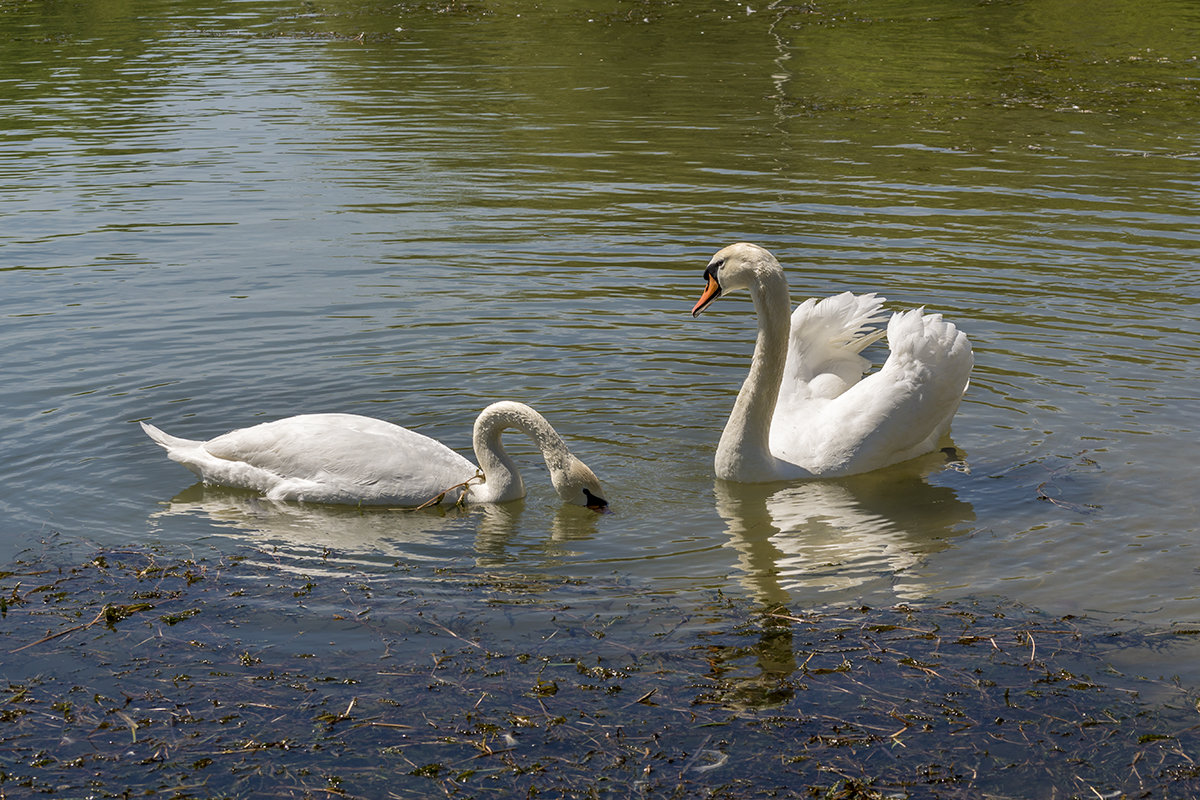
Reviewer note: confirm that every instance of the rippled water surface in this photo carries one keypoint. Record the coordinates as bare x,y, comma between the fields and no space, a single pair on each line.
216,215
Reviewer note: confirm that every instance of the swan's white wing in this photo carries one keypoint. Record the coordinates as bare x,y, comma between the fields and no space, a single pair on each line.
824,346
330,458
897,413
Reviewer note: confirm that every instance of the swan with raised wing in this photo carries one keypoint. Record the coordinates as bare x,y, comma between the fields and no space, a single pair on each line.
805,409
350,459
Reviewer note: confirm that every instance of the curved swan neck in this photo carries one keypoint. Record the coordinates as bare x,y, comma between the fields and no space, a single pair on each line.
502,481
744,451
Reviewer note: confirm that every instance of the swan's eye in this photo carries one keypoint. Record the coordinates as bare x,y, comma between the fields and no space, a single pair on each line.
710,271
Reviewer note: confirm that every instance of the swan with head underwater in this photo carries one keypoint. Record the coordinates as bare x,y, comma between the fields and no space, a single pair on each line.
350,459
805,409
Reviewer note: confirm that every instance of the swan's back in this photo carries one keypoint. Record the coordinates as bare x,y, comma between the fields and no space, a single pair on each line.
325,458
833,421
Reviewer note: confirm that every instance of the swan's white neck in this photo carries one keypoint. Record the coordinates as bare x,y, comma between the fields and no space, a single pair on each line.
502,482
744,452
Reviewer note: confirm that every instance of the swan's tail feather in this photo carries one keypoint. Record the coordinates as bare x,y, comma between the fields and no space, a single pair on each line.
163,439
935,356
925,337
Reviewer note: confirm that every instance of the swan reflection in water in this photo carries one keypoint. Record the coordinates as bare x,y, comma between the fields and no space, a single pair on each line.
818,544
308,534
828,541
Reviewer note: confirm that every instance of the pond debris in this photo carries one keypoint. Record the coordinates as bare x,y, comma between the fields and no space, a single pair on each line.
1060,479
466,683
462,496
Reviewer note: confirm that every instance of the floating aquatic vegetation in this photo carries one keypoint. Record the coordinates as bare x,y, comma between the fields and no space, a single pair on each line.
136,672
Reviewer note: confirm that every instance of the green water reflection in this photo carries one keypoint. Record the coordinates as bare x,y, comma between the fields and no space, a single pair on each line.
218,214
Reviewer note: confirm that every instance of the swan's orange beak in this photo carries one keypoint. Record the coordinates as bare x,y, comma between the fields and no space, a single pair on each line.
711,292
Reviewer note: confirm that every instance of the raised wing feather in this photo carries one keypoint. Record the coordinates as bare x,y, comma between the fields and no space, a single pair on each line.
824,347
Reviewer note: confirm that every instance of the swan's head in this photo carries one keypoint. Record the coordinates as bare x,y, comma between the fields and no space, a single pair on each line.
738,266
577,484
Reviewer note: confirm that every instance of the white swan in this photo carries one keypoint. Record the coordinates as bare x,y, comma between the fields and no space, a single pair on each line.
345,458
805,410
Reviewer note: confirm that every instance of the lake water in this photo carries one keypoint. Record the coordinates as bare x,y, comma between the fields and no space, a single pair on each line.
216,214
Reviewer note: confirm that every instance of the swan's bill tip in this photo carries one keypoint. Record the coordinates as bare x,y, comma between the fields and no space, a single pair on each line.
595,502
712,290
